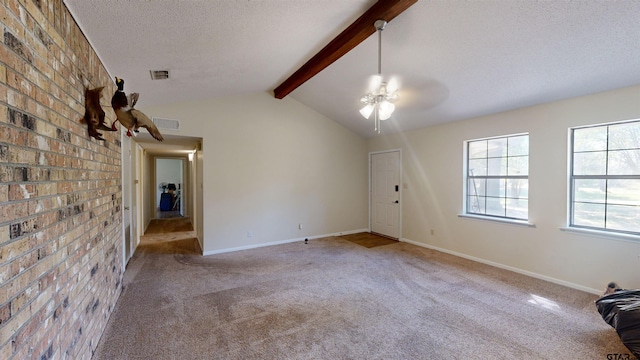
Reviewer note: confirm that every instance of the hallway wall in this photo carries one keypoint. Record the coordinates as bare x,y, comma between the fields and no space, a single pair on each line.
270,165
60,190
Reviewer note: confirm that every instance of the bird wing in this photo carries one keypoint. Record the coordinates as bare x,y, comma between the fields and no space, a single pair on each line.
132,99
143,120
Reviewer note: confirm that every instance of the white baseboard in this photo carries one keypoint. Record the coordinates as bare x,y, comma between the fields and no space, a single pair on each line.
506,267
255,246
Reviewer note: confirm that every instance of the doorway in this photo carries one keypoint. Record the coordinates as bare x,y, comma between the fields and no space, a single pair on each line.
170,186
186,155
385,191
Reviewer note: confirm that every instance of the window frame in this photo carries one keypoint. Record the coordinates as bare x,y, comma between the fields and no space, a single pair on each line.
571,201
467,178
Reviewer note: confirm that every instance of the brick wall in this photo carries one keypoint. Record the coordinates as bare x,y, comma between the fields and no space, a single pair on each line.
60,190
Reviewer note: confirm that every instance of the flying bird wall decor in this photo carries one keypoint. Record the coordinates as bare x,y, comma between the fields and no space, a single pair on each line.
93,113
128,116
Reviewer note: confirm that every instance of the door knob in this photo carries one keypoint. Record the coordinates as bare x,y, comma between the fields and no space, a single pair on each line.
396,202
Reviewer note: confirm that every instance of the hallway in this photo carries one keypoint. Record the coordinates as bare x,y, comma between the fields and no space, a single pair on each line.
168,214
175,233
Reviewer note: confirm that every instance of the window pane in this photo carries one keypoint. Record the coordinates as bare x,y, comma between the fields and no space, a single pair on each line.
585,214
624,136
607,158
625,218
497,147
476,204
477,149
590,139
518,208
478,167
591,163
624,192
495,187
497,166
476,187
495,207
518,188
519,145
492,165
518,166
624,162
589,190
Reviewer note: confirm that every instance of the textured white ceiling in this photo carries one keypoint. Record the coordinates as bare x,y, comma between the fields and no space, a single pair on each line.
455,59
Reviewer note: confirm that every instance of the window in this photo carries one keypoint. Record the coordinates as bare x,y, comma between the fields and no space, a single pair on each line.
497,177
605,177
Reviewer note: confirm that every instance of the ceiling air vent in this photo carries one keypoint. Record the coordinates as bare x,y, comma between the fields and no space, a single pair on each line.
167,124
159,74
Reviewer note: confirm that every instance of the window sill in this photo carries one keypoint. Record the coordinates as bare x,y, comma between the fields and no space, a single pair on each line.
498,220
603,234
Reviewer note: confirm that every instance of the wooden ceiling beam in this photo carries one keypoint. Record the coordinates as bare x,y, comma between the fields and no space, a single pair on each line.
353,35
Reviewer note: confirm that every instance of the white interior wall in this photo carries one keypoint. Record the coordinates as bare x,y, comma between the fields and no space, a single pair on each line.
269,165
433,190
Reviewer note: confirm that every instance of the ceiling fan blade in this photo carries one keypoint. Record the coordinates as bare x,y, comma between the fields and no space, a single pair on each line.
374,83
393,85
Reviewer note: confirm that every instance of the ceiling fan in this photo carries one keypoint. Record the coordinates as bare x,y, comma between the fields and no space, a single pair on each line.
379,100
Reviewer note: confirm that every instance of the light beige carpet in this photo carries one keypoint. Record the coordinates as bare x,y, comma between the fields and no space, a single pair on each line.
333,299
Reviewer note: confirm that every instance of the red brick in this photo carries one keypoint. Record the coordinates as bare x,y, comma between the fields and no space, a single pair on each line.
5,313
4,192
21,191
14,212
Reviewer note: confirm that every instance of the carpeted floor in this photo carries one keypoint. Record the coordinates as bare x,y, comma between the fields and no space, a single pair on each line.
334,299
169,225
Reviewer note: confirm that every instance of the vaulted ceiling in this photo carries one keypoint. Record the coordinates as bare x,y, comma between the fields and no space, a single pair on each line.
455,59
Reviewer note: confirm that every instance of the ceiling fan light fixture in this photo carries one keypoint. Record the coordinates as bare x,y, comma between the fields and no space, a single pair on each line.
365,99
366,111
385,109
379,100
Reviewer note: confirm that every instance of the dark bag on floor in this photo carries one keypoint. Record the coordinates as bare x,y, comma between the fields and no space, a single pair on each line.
621,310
165,202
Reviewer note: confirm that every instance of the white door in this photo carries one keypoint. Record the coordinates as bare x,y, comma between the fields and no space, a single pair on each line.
127,239
385,194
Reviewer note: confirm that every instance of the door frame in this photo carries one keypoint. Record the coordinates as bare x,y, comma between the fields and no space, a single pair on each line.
400,187
184,178
127,177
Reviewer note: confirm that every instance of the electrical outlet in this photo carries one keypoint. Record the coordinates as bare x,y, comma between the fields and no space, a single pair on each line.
433,232
249,233
299,226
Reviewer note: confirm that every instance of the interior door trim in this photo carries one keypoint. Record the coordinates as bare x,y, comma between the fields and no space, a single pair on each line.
371,154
